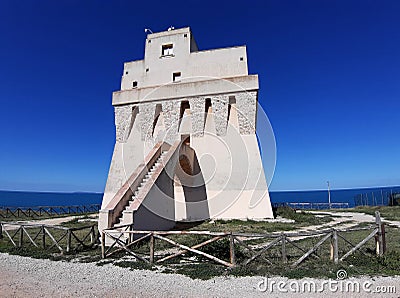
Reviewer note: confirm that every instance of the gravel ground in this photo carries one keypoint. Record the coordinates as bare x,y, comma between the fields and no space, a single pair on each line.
26,277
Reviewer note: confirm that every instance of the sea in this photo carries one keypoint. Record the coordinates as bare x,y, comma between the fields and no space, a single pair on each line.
352,196
368,196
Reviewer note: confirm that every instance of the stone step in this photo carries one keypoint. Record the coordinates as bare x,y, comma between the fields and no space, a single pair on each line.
146,178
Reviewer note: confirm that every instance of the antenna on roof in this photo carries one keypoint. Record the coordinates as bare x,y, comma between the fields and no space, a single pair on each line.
148,30
171,28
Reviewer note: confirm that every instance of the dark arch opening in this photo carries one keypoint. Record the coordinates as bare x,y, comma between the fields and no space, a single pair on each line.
190,177
185,164
207,107
157,112
184,105
232,100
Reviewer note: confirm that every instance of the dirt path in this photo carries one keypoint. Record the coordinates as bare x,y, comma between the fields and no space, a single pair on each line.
26,277
356,217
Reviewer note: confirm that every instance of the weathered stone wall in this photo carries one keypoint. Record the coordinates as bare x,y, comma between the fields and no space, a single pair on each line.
197,108
147,111
220,109
123,122
246,103
171,111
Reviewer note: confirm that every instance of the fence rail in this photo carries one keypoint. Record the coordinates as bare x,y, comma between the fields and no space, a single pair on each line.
39,211
127,240
48,237
383,197
307,205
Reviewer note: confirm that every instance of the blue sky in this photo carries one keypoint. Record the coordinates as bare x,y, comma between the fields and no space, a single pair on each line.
329,82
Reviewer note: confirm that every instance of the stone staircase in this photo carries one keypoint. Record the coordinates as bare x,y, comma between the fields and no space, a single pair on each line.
127,214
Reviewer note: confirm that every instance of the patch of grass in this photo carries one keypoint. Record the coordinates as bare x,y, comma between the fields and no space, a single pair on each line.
302,217
253,226
78,223
104,262
135,265
201,271
32,252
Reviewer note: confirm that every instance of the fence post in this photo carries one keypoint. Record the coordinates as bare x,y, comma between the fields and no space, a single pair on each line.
69,240
131,238
21,236
92,236
43,237
151,248
1,230
232,249
334,247
383,236
103,245
284,256
380,246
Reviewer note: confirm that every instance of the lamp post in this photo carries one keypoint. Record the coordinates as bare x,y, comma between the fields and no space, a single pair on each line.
329,195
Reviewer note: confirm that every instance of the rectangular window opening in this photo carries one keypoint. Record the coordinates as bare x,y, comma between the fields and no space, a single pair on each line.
134,84
167,50
176,76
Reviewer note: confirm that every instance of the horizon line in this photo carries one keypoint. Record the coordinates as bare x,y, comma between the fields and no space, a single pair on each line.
344,188
292,190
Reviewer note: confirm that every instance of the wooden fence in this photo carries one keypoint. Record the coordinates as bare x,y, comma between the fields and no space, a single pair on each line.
127,240
39,211
48,237
309,206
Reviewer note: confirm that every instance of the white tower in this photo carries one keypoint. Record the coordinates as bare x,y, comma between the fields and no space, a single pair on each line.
186,148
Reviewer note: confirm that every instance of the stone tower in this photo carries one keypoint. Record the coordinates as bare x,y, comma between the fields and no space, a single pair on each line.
186,148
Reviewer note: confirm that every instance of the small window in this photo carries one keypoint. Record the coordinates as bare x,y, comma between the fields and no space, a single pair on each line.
134,84
149,41
185,35
167,50
126,72
147,70
241,58
176,76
